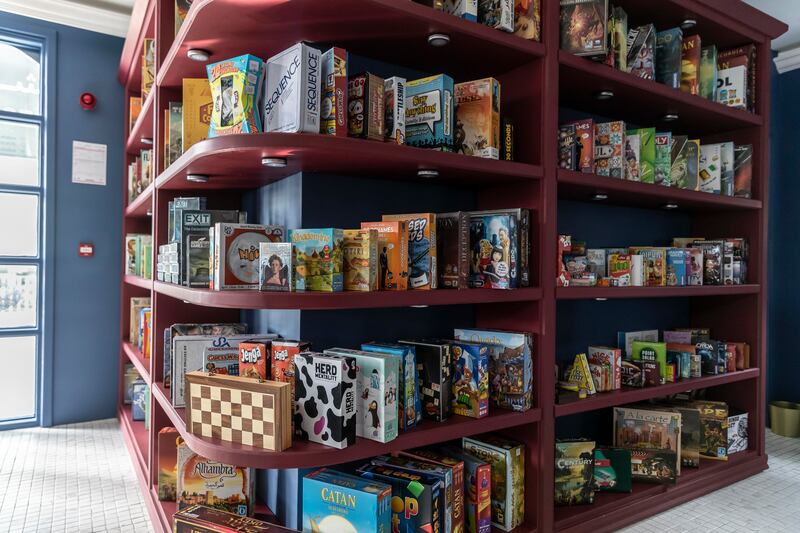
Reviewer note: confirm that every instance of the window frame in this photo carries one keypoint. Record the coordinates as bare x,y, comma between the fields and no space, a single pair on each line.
45,42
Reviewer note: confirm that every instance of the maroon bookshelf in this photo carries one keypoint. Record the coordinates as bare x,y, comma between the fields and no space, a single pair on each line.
538,82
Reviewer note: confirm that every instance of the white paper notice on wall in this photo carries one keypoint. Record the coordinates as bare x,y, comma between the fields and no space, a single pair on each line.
89,163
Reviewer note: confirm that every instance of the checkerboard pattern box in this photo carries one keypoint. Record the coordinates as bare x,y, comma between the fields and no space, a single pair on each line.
241,410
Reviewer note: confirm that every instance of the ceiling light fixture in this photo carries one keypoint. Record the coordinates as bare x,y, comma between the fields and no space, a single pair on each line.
146,140
688,24
599,196
604,95
438,39
198,54
427,173
197,178
670,206
274,162
670,117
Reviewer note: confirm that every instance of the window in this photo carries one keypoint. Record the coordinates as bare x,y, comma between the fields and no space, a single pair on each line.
22,124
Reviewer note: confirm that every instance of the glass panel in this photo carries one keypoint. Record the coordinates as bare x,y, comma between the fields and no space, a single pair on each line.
19,300
18,393
20,80
19,225
19,153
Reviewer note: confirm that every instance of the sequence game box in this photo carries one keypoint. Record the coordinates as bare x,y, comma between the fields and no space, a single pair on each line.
202,481
430,112
434,369
236,263
574,475
376,393
325,399
452,232
333,92
478,118
470,379
334,502
360,259
392,254
317,259
236,88
292,95
410,406
422,257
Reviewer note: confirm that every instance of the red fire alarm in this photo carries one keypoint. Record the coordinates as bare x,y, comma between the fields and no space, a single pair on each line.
88,101
86,249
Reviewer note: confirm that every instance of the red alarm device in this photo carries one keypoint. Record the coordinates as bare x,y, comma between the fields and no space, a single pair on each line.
88,101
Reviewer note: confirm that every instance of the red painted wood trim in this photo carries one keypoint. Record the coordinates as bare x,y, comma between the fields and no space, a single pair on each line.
135,356
142,204
589,293
136,281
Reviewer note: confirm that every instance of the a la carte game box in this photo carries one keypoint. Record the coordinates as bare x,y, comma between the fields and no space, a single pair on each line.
317,259
376,393
325,399
236,87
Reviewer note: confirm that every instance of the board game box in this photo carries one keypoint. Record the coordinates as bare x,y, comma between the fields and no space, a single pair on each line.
325,399
714,420
148,66
416,498
507,459
176,207
655,265
198,106
394,97
618,22
612,469
743,170
376,393
510,365
292,94
202,481
608,357
466,9
275,266
654,466
497,14
574,474
193,329
584,141
333,91
583,27
691,435
712,260
710,169
198,271
317,259
167,450
726,153
676,267
139,400
654,352
236,89
647,154
619,269
204,519
528,19
633,163
632,374
392,254
366,106
708,72
430,113
236,253
334,502
494,242
690,64
477,490
625,340
453,251
567,147
478,118
668,57
609,140
663,159
223,362
642,51
732,87
434,369
507,131
422,258
470,387
282,367
596,262
360,259
737,432
456,465
255,360
654,440
409,400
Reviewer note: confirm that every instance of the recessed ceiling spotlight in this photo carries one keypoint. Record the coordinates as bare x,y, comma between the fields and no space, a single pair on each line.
146,140
149,212
420,306
438,39
670,206
599,197
198,54
197,178
600,299
670,117
604,95
273,162
688,24
427,173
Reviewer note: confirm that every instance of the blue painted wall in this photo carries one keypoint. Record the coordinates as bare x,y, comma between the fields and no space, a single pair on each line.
85,330
783,365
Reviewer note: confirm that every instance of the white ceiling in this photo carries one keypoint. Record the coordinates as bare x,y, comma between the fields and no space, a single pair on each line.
789,12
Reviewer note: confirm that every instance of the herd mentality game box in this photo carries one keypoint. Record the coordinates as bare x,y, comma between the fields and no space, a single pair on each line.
422,259
574,475
337,502
325,399
292,95
392,254
377,387
430,113
478,118
317,259
236,91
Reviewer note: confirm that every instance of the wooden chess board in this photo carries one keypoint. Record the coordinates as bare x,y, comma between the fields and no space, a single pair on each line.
240,410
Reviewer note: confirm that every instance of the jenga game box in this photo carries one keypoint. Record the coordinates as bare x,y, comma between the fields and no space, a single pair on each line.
392,254
254,360
421,249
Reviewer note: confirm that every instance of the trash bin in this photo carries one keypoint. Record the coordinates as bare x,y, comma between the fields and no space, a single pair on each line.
785,418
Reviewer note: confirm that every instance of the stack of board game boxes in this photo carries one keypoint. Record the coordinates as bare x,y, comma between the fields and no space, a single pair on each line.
688,261
652,443
684,62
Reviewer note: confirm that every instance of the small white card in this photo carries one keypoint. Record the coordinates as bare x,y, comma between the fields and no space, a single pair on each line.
89,163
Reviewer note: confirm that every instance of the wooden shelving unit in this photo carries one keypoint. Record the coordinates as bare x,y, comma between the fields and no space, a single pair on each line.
539,83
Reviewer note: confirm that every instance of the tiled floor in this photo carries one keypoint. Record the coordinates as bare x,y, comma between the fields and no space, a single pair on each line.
79,478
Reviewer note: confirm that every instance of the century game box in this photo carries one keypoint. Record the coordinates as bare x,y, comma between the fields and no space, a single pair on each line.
422,257
202,481
334,502
574,475
333,92
236,89
410,403
360,259
470,395
275,266
392,254
236,251
507,459
365,107
203,519
317,259
583,27
325,399
292,95
452,232
510,365
434,369
430,113
376,393
478,118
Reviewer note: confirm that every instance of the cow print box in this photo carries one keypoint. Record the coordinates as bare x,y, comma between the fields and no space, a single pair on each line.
325,394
